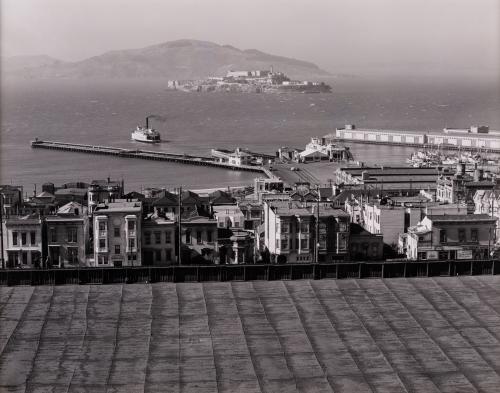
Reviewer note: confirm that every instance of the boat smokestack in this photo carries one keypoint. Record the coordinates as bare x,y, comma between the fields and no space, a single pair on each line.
147,121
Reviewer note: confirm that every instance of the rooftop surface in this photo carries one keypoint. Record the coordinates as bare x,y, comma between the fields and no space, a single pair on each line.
393,335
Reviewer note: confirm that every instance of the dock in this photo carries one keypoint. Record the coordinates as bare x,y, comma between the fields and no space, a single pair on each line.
143,154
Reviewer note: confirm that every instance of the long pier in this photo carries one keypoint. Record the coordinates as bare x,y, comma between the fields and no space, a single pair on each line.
143,154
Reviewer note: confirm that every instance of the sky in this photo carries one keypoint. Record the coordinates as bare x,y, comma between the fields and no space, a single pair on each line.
445,36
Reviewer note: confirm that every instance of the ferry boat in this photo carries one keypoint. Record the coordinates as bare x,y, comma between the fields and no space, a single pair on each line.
146,134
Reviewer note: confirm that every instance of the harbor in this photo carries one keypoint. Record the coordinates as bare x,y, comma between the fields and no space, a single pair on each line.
142,154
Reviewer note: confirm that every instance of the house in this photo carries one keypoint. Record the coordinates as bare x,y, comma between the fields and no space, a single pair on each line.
488,202
236,246
23,241
364,245
117,233
228,216
11,199
103,190
199,239
253,213
444,237
66,195
219,197
67,236
290,231
159,240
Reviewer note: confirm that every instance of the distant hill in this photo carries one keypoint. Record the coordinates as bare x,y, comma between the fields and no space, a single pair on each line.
181,59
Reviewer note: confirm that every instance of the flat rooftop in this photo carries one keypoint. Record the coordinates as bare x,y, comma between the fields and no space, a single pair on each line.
397,335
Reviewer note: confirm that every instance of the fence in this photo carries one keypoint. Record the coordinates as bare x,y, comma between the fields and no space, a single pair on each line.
146,274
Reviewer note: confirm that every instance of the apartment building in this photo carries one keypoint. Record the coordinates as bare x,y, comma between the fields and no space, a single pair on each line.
159,240
443,237
67,236
23,241
290,231
117,233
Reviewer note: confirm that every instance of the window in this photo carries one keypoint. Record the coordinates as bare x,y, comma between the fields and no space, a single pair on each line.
131,225
198,237
158,255
53,234
420,238
157,237
284,227
168,254
117,249
23,238
102,260
473,234
14,238
422,255
102,225
342,226
209,237
147,238
168,237
72,235
442,236
284,244
461,235
25,257
303,244
102,243
72,255
188,236
304,227
131,243
33,238
116,231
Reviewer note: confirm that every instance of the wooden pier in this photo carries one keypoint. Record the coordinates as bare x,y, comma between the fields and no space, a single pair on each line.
143,154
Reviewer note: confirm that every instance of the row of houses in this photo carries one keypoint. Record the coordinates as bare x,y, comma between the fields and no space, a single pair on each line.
369,214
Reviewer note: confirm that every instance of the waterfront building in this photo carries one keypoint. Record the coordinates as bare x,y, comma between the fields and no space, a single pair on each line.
103,190
117,233
22,239
237,157
264,185
67,236
444,237
159,240
290,231
388,180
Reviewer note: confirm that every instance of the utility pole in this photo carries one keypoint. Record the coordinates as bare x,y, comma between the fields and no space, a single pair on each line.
316,257
1,230
179,260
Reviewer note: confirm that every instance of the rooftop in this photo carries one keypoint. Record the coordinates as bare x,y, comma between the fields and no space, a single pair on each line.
408,335
460,217
119,206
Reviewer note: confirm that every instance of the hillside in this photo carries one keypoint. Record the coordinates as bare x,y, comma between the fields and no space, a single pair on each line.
181,59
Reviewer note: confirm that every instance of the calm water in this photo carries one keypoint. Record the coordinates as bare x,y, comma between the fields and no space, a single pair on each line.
105,113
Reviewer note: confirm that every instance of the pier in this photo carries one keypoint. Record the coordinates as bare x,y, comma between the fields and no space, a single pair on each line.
143,154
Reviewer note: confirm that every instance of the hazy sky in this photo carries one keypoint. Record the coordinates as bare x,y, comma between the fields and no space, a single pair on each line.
338,35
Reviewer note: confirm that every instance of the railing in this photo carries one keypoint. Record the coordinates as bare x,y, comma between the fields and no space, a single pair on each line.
145,274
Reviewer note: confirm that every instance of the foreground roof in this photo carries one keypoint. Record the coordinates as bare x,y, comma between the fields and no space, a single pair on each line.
398,335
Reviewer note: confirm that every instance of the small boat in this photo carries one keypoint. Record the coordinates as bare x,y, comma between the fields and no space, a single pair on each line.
146,134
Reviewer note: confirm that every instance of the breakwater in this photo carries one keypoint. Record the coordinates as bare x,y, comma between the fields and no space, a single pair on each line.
143,154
